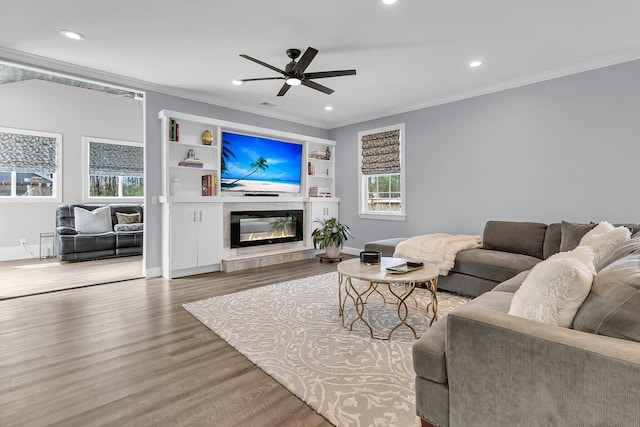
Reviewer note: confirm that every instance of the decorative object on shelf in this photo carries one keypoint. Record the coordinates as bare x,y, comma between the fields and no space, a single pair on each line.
175,186
328,153
320,192
191,160
207,137
318,155
311,169
330,236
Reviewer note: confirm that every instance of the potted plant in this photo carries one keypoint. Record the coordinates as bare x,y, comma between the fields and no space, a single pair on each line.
330,236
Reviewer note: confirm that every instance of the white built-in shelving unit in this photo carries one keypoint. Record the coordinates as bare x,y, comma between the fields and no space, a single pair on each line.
193,223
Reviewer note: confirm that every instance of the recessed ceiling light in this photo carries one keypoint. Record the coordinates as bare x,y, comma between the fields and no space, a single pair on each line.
474,64
72,35
237,82
389,1
328,108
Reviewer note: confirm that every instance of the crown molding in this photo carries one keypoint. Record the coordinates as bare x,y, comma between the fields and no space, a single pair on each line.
91,75
510,84
96,76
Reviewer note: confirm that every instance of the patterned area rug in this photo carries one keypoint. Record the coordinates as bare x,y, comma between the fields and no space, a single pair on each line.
293,332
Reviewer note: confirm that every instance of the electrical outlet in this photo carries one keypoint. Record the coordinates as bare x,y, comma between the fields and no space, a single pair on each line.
23,242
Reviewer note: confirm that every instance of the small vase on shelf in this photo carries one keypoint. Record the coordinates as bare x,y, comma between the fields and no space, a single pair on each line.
207,137
175,186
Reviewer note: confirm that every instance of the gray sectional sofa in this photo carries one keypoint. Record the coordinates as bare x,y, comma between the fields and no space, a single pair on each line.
481,366
120,240
508,248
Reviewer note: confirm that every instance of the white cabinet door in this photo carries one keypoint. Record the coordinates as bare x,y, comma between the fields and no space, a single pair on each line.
323,211
184,235
209,234
196,239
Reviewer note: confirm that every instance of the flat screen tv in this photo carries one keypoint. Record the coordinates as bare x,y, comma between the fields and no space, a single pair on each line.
253,164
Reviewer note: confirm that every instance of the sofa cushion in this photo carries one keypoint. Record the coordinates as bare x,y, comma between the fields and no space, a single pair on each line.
429,351
625,248
493,265
525,238
552,239
128,218
612,308
93,222
604,237
386,246
128,227
556,288
572,233
513,284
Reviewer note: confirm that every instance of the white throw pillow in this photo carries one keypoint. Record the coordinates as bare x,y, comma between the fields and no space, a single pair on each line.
93,222
555,289
603,238
582,253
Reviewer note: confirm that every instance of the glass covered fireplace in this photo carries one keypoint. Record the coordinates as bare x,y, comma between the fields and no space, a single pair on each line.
253,228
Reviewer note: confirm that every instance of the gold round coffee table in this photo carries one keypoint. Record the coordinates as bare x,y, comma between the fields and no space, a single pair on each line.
376,275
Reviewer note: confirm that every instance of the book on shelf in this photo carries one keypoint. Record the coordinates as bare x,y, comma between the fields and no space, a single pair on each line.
191,164
174,130
209,185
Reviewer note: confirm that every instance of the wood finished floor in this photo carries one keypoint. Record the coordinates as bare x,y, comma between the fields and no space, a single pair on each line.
35,276
127,353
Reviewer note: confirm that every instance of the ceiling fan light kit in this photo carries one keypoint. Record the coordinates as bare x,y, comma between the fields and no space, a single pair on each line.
294,72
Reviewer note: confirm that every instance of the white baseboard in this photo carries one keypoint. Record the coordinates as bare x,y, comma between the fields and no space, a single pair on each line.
152,272
351,251
9,253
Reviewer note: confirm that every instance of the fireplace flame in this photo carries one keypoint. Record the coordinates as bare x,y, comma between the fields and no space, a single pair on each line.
267,235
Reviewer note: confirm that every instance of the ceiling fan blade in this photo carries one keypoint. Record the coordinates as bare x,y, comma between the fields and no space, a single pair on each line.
261,78
323,74
264,64
316,86
283,90
306,59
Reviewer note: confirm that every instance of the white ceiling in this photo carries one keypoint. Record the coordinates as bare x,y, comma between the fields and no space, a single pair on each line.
407,56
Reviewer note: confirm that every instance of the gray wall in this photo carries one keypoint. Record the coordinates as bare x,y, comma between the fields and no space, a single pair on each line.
74,112
564,149
156,102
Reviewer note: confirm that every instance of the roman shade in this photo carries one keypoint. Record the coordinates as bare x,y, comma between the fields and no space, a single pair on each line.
381,152
28,153
115,159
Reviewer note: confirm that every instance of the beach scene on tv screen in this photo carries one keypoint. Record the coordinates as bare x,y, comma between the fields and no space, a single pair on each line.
254,164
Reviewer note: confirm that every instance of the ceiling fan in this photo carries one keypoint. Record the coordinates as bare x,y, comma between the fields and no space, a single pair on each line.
294,72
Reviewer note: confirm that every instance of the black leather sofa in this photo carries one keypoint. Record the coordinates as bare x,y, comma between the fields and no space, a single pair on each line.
75,246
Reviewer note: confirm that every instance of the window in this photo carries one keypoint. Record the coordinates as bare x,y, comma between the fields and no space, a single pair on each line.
29,165
114,169
381,174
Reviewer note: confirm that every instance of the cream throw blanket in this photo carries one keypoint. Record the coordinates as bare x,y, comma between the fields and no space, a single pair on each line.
439,248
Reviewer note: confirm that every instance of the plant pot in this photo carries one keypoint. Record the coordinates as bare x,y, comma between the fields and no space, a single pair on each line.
332,251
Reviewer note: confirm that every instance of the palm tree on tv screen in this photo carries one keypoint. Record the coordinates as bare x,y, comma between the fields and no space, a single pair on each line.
259,165
227,153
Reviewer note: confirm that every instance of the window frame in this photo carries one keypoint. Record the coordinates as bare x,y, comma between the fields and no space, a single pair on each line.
363,203
86,187
56,190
